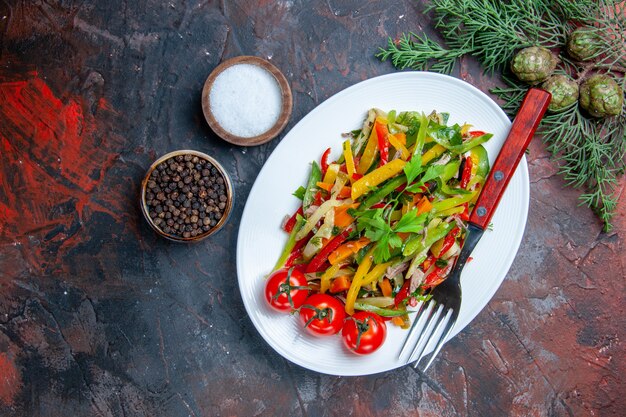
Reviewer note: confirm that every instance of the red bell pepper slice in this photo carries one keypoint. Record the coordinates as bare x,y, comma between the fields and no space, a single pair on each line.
465,215
317,200
467,172
433,276
295,254
379,206
356,176
324,161
323,267
330,247
476,133
428,262
403,293
288,227
300,268
401,188
448,242
383,143
300,243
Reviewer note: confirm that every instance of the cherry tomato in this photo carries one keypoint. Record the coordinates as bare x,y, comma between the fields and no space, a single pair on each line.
322,315
286,290
364,332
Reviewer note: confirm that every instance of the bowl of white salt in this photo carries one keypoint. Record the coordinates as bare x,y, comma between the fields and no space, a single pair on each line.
246,101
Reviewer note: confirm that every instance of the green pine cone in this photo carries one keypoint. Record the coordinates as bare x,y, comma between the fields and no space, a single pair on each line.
533,65
601,96
564,92
583,44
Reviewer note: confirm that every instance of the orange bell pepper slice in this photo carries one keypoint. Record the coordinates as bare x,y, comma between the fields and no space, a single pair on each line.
344,193
403,235
385,287
344,251
398,321
424,206
341,283
342,218
324,186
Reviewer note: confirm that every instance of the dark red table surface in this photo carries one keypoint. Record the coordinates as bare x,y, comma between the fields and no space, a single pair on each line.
100,317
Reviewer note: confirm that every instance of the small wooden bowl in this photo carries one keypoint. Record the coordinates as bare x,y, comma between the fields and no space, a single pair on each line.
286,99
227,185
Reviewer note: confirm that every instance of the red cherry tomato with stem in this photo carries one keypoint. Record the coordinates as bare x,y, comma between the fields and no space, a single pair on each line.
364,332
322,315
286,290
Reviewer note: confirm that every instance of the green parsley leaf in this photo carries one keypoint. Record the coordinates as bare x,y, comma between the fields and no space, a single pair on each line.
446,136
395,241
413,168
411,222
432,172
382,253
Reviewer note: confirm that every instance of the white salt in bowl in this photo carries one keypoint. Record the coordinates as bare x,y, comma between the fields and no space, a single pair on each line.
246,101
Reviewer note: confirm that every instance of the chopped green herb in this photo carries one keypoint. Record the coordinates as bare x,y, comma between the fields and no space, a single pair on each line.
441,263
299,193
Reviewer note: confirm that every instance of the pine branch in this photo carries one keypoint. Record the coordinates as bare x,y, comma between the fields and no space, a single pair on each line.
591,152
420,53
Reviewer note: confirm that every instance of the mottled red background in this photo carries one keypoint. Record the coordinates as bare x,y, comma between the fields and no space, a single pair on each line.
98,316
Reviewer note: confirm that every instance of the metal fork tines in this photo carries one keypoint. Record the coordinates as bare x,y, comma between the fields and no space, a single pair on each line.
431,328
435,320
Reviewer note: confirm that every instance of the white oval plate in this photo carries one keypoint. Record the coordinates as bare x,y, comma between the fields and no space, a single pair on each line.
261,239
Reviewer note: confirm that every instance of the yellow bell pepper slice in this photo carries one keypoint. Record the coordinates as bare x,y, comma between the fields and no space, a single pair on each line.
375,274
451,211
432,153
331,173
399,146
377,176
347,153
326,277
357,281
369,154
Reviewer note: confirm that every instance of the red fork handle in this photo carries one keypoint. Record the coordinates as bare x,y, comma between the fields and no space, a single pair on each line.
524,126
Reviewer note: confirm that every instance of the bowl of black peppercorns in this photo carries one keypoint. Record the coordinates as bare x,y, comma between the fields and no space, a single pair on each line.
186,196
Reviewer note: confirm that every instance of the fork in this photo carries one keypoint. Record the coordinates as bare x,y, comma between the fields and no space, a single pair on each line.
435,320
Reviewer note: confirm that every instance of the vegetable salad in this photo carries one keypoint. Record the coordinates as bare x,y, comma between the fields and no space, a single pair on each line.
384,223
